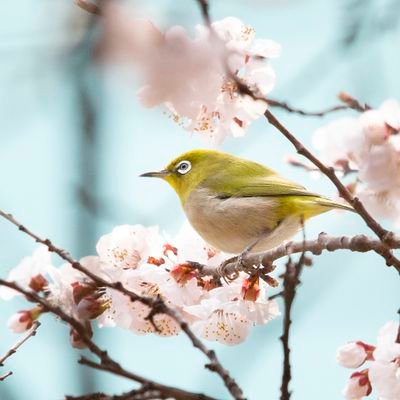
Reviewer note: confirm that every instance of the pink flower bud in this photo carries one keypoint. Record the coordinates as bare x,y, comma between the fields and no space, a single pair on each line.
80,290
23,320
251,288
92,306
38,283
353,354
358,386
182,273
167,247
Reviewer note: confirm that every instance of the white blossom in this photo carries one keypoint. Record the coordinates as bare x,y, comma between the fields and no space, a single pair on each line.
28,272
193,76
225,317
385,370
129,245
368,144
351,355
358,386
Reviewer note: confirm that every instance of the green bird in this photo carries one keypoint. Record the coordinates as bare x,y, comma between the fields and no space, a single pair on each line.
238,205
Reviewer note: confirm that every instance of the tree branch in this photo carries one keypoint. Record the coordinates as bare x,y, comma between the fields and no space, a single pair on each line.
89,6
32,332
324,242
350,103
167,391
157,306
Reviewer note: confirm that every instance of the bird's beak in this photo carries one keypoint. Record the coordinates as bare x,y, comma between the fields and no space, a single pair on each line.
158,174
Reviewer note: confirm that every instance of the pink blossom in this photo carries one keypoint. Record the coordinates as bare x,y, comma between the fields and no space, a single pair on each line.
353,354
358,386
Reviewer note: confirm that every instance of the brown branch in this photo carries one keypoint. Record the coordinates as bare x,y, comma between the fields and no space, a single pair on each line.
285,106
89,6
32,332
350,103
106,362
5,376
384,235
291,279
157,306
324,242
204,7
167,391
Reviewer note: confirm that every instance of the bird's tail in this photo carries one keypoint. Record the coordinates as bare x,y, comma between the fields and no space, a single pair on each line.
325,202
312,206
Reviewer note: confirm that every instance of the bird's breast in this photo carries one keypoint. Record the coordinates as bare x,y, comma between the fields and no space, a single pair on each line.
233,223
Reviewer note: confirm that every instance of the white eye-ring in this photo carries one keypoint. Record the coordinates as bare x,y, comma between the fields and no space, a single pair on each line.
184,167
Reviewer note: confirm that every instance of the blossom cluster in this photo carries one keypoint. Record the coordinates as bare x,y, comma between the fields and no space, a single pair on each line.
369,145
150,266
195,78
383,372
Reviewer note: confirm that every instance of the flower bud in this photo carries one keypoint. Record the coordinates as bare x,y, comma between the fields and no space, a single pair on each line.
38,283
81,290
353,354
92,306
168,247
358,386
182,273
23,320
251,288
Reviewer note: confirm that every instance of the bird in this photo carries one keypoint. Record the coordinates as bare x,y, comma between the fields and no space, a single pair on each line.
239,206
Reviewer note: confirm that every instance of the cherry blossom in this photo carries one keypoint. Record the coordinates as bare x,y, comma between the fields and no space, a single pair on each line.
30,273
370,145
358,386
225,317
354,354
383,373
194,77
385,370
23,320
127,246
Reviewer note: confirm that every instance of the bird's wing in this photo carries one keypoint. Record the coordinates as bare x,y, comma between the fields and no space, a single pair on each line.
263,186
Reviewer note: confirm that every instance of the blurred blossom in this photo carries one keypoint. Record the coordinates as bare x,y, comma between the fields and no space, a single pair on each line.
194,78
370,145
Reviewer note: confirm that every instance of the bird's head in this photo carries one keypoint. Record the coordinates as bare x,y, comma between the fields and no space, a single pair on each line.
190,169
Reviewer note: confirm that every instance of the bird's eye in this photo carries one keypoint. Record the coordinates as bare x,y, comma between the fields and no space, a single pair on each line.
184,167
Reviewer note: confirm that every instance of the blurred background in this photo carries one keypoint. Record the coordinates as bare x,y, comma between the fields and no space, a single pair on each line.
73,140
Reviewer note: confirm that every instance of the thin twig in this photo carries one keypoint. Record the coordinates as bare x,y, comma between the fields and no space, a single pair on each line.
384,235
166,390
291,279
204,7
89,6
5,376
31,332
350,103
157,306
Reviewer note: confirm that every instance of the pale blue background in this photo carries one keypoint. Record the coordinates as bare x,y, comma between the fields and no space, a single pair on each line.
48,167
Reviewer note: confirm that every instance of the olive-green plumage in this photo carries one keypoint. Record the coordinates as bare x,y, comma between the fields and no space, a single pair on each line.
232,202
